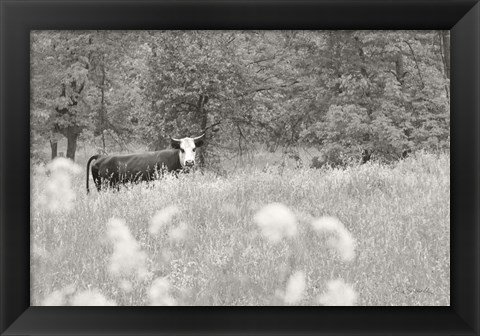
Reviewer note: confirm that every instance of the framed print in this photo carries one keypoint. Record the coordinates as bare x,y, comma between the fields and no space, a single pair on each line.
239,167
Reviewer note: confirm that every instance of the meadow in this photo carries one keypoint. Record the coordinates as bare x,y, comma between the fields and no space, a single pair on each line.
377,234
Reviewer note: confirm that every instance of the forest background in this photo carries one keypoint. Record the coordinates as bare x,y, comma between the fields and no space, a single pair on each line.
350,95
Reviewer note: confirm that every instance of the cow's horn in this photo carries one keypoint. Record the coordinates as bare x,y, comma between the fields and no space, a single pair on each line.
198,141
175,142
199,137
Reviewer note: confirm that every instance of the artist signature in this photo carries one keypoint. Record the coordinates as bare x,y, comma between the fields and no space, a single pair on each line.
409,289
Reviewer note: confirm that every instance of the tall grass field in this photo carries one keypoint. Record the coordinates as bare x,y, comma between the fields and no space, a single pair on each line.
368,235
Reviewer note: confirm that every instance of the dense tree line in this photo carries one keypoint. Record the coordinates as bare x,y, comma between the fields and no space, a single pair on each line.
350,94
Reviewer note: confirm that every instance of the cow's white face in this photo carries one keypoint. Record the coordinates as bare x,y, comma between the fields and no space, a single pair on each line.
187,152
187,148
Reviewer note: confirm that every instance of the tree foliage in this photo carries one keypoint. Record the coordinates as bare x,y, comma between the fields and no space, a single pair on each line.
350,94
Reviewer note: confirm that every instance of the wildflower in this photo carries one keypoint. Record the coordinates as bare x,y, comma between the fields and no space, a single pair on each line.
166,254
58,297
126,285
179,233
295,288
276,221
338,294
341,240
162,218
58,194
61,163
40,169
127,258
69,290
55,298
159,293
91,298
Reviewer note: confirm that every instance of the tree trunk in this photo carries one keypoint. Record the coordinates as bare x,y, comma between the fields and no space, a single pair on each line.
103,119
446,52
54,148
71,144
104,150
70,132
409,108
335,50
400,73
203,115
400,69
412,52
103,109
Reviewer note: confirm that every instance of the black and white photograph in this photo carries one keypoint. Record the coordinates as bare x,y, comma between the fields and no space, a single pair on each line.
240,168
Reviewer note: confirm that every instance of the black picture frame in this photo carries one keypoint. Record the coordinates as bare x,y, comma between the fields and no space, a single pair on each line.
19,17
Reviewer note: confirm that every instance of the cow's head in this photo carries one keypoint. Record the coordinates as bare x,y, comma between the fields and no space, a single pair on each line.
187,149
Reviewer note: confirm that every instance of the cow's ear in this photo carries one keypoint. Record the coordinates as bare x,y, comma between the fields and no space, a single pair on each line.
175,143
199,140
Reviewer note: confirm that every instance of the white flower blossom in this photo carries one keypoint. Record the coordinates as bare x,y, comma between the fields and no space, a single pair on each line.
91,298
276,221
127,257
61,163
295,288
126,285
338,294
179,233
58,297
340,240
162,218
58,194
159,293
55,298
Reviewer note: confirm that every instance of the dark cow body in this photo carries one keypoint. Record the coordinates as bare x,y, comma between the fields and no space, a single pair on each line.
121,169
114,170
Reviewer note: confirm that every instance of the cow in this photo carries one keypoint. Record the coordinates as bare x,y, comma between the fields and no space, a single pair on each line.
115,170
